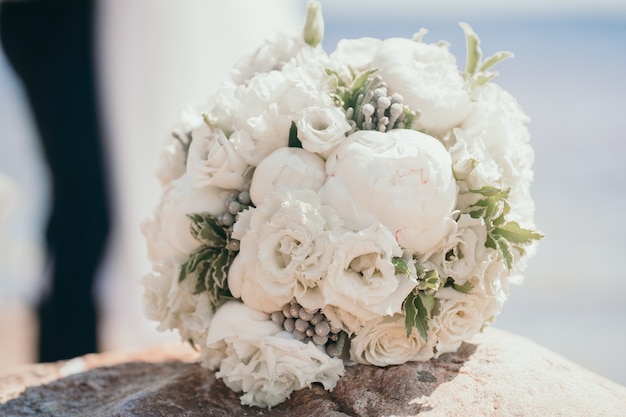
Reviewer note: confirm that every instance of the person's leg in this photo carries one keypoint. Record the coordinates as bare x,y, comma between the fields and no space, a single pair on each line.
50,45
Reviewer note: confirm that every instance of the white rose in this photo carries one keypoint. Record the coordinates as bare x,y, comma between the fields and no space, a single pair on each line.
284,250
167,233
321,129
212,160
266,364
402,179
385,342
361,277
429,80
287,167
460,316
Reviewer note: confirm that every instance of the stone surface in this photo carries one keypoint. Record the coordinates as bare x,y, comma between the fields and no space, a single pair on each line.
495,374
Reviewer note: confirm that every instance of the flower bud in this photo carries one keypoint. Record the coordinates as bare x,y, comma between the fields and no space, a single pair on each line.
313,32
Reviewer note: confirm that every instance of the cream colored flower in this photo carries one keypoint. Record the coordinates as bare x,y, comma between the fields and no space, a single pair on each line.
460,316
263,362
213,161
385,342
284,249
322,129
167,233
174,304
361,277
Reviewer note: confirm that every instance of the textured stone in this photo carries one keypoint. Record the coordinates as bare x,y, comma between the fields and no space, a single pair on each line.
496,374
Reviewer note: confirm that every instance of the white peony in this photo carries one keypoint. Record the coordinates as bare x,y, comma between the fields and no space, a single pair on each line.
460,316
167,233
271,55
264,363
385,343
284,250
322,129
213,160
426,75
361,278
402,179
356,53
289,168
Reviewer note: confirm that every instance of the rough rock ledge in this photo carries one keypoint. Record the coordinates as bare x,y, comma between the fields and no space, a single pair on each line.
495,374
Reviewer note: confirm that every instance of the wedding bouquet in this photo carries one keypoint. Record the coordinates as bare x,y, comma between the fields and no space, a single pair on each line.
369,206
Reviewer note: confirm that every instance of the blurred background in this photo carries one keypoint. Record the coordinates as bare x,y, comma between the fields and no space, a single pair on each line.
157,56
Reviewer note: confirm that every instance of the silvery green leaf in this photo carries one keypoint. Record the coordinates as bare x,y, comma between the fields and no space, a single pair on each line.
494,59
419,35
483,78
474,53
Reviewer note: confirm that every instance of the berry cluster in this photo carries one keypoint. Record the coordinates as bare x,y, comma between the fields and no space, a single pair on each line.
236,202
374,109
310,325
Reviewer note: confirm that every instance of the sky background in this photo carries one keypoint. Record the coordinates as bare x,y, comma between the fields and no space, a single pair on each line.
568,75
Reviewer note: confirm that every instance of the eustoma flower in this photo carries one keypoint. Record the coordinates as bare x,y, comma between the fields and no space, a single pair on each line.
265,363
284,249
361,278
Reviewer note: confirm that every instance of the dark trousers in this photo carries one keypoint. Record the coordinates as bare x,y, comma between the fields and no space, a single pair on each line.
50,46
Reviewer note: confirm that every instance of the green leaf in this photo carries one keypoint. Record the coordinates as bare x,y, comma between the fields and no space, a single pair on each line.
401,267
502,236
294,141
417,313
490,191
514,233
505,249
360,81
465,288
